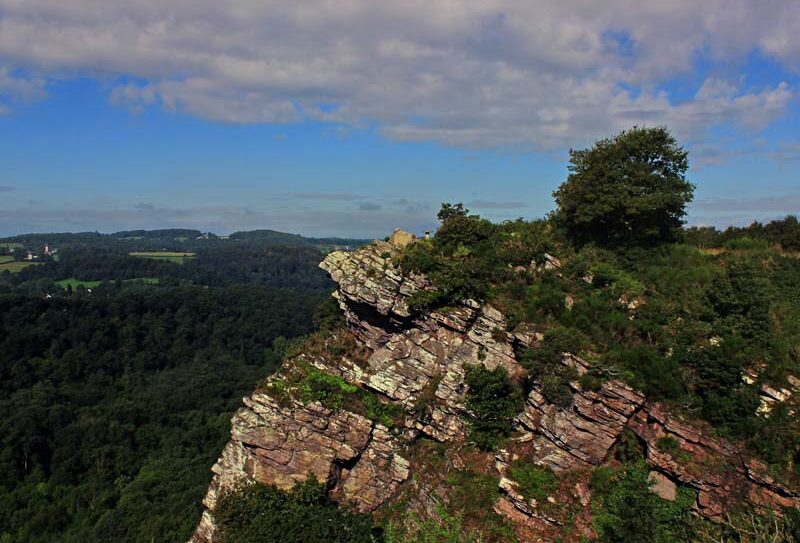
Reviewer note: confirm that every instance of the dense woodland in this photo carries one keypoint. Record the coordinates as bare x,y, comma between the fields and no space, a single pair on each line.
115,399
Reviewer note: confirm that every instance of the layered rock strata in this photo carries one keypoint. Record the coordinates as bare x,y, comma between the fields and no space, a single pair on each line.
419,361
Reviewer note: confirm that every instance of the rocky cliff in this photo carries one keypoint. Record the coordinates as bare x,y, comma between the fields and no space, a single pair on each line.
418,362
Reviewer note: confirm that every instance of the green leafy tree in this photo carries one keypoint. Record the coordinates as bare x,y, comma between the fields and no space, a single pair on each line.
494,400
627,511
627,190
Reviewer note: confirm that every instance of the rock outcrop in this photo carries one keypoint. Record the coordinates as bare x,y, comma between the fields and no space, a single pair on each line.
282,445
714,468
418,361
582,434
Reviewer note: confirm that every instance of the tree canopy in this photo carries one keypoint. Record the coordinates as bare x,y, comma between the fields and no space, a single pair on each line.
627,190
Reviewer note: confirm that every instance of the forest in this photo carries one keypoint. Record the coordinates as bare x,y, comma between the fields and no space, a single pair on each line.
115,398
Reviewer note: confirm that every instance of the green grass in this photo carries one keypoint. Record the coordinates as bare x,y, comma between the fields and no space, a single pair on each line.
14,267
75,283
6,258
177,257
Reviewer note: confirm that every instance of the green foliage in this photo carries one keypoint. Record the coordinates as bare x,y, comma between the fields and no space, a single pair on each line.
746,243
308,383
655,374
263,514
535,482
627,190
545,364
628,448
113,404
469,253
627,511
445,528
783,233
753,527
493,401
330,390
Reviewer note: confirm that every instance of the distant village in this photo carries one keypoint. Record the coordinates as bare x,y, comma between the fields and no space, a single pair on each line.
28,255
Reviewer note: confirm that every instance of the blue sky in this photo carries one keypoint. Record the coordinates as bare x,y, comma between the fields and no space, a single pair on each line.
350,120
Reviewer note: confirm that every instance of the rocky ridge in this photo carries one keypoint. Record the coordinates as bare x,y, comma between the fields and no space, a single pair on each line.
418,361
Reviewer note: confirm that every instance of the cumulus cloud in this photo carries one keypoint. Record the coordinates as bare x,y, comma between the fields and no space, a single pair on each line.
17,87
513,73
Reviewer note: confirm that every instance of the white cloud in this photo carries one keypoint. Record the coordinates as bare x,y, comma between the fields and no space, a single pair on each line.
496,73
18,88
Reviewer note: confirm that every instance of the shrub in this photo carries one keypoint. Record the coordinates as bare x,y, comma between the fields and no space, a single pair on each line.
263,514
546,365
626,511
534,482
658,376
493,401
746,243
444,528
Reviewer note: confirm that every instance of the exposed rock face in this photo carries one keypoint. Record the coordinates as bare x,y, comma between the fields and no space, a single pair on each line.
419,361
282,445
582,434
713,467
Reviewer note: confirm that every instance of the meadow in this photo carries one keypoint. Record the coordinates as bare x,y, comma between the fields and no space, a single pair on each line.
170,256
7,263
75,283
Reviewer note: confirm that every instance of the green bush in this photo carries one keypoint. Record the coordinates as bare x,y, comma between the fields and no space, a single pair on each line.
493,401
627,511
657,375
546,367
534,482
263,514
746,243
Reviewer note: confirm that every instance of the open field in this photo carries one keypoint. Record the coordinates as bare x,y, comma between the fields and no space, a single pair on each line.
75,283
716,251
6,258
178,258
14,267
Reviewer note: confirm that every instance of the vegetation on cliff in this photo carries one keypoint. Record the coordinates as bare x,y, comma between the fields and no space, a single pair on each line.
680,323
613,278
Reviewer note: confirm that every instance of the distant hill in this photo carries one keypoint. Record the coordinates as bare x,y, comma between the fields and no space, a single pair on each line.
171,233
178,239
271,236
